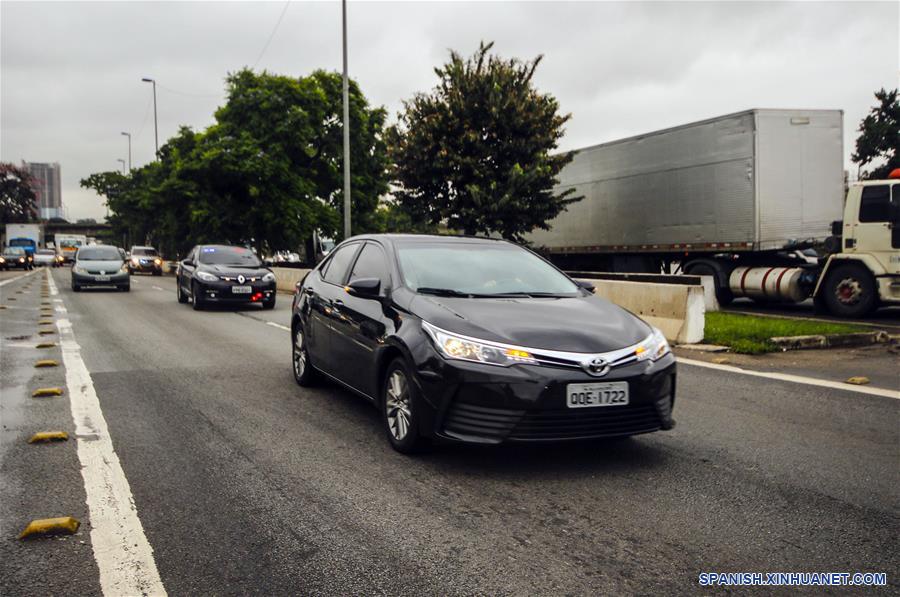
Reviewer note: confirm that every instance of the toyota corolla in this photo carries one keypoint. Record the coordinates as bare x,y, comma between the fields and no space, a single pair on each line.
479,341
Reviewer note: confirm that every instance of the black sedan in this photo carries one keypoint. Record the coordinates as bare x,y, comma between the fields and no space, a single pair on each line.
14,257
225,275
479,341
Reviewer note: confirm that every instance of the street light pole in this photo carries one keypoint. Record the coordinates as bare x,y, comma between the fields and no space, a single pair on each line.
155,124
123,165
346,93
129,149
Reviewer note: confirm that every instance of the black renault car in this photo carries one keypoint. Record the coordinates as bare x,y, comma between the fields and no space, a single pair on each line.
476,340
226,275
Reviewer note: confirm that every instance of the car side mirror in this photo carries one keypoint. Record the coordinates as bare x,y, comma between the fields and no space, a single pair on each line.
586,284
187,262
364,288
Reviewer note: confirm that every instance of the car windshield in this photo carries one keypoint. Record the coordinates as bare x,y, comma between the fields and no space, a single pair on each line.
228,256
99,254
144,252
14,251
480,269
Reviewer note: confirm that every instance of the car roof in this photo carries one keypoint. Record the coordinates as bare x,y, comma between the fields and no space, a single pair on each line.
429,238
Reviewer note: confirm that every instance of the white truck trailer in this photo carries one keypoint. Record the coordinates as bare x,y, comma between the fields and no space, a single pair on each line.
741,194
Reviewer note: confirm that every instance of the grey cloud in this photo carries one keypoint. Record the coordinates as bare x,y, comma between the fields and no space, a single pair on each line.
70,72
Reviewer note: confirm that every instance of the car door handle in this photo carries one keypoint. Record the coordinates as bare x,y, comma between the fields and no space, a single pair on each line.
337,303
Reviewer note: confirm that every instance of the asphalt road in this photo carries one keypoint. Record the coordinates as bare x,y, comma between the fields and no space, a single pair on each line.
245,483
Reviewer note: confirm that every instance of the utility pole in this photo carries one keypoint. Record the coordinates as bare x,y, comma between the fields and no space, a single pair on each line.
129,149
346,129
155,123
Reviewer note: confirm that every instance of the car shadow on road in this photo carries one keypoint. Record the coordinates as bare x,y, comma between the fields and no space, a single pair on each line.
641,453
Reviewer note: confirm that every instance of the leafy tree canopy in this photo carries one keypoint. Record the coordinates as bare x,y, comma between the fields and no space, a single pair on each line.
267,173
477,152
17,196
879,141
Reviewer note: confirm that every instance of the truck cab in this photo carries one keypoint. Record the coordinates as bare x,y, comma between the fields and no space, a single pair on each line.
864,270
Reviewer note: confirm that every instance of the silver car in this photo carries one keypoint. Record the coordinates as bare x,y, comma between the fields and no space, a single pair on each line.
47,257
100,265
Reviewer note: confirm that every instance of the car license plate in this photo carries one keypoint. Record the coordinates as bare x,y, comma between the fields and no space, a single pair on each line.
241,289
587,395
102,278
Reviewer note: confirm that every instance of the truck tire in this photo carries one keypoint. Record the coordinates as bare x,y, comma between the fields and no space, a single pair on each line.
849,291
723,291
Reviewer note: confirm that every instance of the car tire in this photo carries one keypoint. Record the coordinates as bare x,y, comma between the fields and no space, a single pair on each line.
196,299
399,406
179,292
157,272
125,288
304,373
724,295
269,303
850,291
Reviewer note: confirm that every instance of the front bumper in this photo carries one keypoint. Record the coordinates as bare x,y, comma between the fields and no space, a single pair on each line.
148,267
222,292
116,279
484,404
15,264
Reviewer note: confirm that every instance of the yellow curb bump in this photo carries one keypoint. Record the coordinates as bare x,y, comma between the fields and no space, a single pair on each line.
721,360
2,306
47,363
45,322
44,392
51,526
46,345
45,332
48,436
859,380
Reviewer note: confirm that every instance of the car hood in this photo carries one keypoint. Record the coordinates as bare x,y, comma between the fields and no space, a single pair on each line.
235,271
110,267
578,324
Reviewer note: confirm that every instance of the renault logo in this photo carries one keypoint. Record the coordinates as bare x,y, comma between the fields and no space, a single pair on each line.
241,279
598,366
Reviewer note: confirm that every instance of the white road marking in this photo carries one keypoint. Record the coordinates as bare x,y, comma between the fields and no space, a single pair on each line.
11,280
278,325
123,554
811,381
157,288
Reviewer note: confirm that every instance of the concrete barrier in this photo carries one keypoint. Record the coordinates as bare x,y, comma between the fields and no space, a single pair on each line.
676,309
286,278
708,282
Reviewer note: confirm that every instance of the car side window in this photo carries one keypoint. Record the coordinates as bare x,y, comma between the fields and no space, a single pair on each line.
875,205
336,268
371,263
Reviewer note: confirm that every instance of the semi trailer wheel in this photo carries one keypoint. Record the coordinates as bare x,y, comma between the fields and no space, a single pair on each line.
850,291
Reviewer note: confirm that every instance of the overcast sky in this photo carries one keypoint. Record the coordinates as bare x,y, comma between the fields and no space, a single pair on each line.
70,73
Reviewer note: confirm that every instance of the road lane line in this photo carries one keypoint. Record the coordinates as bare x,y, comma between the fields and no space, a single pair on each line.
123,554
811,381
11,280
278,325
157,288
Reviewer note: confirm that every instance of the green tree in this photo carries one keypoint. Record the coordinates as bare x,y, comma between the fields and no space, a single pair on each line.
18,201
478,151
879,139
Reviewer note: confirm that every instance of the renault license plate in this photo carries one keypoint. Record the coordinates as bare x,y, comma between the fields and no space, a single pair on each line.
587,395
241,289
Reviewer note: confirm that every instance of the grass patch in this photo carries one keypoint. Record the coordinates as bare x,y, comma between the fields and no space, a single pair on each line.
749,334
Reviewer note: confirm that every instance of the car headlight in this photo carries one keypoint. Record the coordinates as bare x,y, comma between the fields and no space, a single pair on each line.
79,270
2,260
654,347
478,351
270,277
206,277
21,260
135,260
157,261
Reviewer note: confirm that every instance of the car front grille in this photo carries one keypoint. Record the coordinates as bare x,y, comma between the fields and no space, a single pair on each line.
494,424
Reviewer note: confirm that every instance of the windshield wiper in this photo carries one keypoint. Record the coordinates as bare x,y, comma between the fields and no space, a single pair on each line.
441,291
523,294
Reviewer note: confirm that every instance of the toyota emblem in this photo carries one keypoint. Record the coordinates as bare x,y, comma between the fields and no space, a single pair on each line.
241,279
598,366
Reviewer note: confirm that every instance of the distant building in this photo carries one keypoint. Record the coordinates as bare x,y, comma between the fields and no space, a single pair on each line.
47,188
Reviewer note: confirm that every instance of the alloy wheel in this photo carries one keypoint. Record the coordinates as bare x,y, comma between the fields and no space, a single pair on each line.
397,405
299,354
